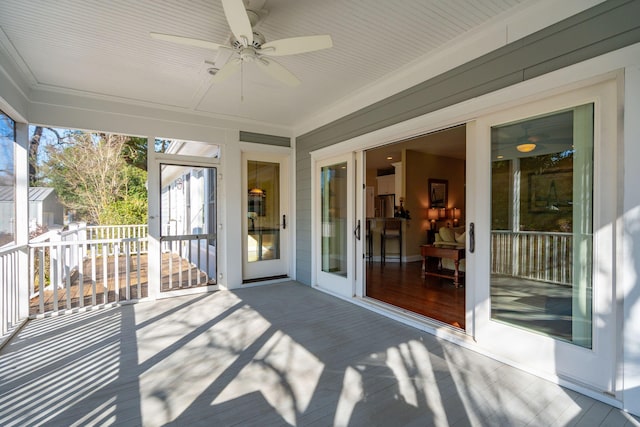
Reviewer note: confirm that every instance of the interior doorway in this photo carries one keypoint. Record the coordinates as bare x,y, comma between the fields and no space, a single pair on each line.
414,198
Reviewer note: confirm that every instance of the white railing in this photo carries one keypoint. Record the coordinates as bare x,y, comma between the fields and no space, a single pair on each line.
188,260
533,255
138,231
9,292
87,265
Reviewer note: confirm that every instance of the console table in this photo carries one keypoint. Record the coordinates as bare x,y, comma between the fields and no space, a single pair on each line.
441,252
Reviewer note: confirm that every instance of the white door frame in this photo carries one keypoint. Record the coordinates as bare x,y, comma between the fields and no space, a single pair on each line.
154,187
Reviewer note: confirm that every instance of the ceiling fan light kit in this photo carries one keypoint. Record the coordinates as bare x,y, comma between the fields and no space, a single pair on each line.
250,46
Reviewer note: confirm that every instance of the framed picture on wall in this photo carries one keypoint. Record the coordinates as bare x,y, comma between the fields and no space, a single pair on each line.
438,193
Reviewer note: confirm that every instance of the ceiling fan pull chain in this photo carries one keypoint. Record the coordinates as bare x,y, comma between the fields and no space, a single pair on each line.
242,81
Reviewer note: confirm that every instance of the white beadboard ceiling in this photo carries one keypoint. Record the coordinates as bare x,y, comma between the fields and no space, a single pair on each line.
102,48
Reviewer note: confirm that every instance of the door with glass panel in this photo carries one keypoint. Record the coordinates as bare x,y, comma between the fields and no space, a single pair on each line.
266,223
547,300
334,212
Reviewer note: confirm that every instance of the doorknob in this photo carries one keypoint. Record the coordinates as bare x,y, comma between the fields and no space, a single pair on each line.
284,222
356,232
472,238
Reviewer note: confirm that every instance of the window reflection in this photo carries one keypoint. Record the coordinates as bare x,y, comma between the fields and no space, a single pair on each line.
541,218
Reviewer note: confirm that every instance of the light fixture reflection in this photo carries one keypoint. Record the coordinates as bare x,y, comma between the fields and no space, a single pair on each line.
526,148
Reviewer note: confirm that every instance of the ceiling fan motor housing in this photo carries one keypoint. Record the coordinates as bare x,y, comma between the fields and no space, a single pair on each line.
258,40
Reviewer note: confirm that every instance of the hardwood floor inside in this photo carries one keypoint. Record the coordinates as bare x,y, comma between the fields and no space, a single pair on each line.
402,285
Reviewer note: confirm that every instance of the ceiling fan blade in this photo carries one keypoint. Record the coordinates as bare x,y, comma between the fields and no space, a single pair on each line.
238,20
277,71
187,41
227,70
294,45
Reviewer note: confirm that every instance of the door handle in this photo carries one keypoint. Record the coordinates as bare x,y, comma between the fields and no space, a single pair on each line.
284,222
472,238
356,232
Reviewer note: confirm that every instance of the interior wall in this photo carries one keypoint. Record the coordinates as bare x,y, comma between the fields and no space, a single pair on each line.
419,168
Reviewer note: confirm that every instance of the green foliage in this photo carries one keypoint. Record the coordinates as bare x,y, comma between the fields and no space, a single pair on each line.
135,182
135,152
130,210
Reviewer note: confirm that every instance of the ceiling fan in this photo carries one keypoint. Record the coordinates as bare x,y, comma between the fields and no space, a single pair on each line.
251,47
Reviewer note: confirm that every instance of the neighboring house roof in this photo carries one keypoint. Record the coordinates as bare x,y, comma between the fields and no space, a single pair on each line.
36,194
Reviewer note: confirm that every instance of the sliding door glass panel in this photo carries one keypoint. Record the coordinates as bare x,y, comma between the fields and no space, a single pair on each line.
542,224
333,190
263,211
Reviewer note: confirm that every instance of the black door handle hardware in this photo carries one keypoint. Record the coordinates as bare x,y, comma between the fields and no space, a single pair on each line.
284,222
356,232
472,238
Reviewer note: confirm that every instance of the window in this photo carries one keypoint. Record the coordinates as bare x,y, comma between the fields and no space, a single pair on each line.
7,180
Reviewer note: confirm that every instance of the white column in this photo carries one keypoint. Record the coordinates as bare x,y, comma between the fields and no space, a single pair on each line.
230,222
153,191
22,214
629,246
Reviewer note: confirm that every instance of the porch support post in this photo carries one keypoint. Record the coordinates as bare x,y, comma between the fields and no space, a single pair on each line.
22,215
153,220
629,245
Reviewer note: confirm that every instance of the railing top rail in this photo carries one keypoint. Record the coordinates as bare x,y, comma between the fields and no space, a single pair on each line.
13,248
86,242
70,232
187,237
537,233
95,227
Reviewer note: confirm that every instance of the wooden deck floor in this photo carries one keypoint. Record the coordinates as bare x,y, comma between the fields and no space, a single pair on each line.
273,355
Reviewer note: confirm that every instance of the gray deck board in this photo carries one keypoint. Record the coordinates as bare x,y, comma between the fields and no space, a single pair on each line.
266,356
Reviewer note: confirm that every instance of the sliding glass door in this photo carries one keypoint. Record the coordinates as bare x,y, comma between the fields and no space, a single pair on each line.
544,237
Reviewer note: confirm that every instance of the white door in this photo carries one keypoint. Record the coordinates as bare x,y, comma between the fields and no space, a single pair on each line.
333,213
266,227
544,198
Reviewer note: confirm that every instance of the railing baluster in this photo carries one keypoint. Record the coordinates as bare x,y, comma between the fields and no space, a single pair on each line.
188,253
67,271
4,295
171,265
206,245
79,250
41,284
116,272
94,279
127,264
139,246
55,280
105,273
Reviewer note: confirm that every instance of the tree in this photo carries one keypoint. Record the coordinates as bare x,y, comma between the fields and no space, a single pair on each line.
34,148
88,174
